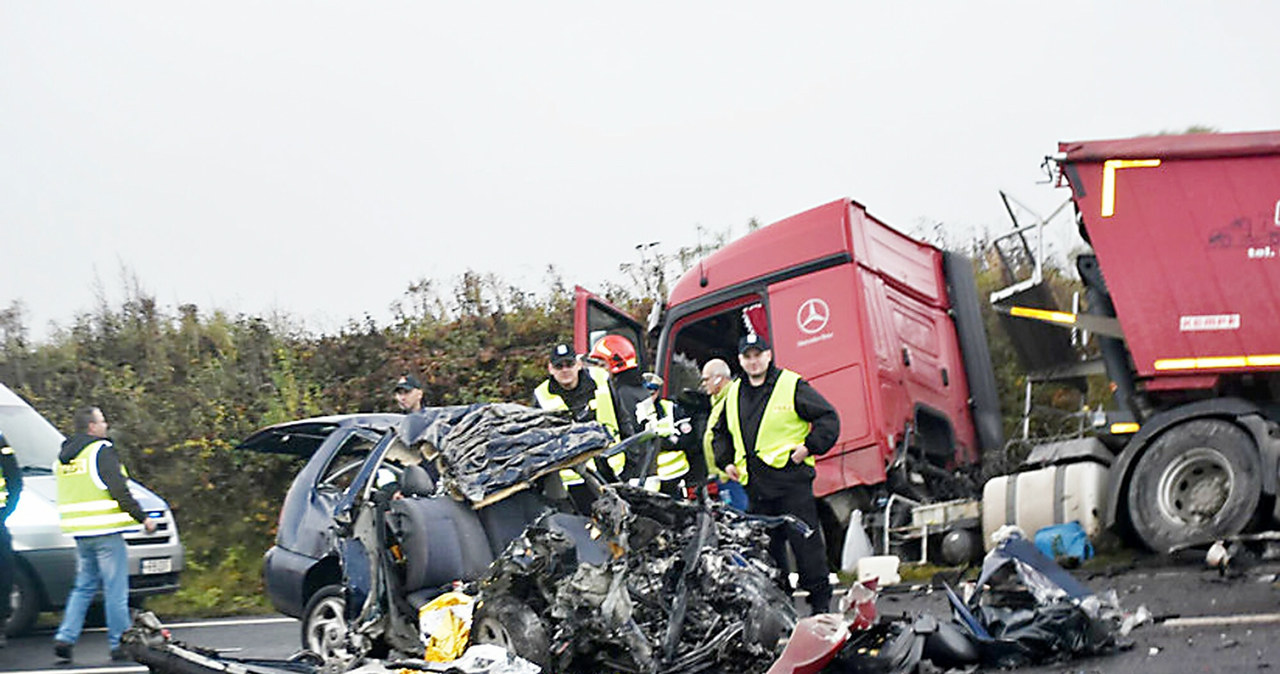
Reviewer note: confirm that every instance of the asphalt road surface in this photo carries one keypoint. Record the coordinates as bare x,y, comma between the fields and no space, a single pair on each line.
1205,623
259,637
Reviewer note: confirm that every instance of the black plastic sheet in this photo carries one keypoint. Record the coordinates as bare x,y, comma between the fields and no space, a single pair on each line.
487,448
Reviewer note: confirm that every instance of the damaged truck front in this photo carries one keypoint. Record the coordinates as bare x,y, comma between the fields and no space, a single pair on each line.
887,328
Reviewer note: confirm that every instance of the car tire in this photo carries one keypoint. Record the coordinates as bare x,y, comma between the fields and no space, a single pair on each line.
24,603
324,624
1198,482
510,623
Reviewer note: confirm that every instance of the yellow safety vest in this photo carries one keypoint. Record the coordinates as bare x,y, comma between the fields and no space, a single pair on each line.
85,507
780,427
717,408
602,404
672,463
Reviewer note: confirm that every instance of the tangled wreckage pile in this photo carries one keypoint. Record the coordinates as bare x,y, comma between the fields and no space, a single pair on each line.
643,584
649,585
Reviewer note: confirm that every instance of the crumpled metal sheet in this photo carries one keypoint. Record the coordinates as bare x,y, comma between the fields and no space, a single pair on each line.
489,447
616,615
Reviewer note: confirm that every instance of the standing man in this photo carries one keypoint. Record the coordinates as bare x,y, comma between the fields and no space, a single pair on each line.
587,396
10,490
772,426
716,377
96,508
408,393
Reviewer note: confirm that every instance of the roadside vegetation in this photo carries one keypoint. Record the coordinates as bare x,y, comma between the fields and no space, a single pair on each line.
183,385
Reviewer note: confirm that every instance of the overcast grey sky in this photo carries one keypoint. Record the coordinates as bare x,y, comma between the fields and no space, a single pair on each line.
315,158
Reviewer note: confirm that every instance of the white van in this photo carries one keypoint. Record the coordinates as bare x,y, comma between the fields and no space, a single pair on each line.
46,557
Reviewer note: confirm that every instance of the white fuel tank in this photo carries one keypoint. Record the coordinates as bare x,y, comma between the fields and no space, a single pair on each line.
1072,487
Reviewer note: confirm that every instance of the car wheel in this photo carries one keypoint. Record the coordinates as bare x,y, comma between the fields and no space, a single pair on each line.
1198,482
324,623
510,623
24,603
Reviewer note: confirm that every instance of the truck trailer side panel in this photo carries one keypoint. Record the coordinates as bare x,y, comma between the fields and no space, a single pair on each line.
1187,233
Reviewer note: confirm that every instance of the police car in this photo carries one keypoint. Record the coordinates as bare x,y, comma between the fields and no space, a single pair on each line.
45,557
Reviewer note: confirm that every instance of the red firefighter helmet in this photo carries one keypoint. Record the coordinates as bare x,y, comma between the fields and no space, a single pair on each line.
616,352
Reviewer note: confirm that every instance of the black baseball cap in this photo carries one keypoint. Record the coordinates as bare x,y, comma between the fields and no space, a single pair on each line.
407,382
561,353
752,342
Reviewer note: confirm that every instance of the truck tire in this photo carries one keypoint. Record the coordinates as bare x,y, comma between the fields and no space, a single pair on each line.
324,623
508,622
24,602
1198,482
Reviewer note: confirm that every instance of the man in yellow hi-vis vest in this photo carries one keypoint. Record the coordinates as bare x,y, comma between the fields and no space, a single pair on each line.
586,394
772,426
96,508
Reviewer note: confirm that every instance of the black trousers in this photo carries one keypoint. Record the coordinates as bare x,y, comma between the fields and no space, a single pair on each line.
810,553
7,563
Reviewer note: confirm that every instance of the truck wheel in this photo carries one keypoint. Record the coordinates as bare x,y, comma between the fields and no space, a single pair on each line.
24,603
324,623
1198,482
507,622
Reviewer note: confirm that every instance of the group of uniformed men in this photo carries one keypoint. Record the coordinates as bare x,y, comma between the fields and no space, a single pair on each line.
756,436
758,432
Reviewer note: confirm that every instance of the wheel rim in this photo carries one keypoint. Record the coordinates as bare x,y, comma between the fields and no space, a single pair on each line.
490,631
1195,486
326,633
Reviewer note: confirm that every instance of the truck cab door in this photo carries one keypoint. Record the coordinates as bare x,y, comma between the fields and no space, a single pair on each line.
594,318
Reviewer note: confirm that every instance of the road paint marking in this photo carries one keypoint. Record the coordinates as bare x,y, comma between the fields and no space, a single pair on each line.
86,670
1218,621
214,623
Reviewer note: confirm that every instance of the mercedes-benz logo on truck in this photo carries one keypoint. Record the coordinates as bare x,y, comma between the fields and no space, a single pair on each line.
813,316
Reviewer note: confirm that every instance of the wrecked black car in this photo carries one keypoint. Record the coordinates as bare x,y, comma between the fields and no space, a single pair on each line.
453,508
645,583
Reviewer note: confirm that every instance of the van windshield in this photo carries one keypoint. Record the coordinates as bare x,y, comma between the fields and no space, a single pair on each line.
35,441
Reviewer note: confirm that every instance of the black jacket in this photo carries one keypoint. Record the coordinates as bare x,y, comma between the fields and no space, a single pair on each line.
577,399
108,469
766,481
12,478
628,391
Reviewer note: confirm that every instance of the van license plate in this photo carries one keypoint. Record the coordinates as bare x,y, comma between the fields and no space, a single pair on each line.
158,565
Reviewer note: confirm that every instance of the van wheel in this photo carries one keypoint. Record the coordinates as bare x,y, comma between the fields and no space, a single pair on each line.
511,624
24,603
1198,482
324,623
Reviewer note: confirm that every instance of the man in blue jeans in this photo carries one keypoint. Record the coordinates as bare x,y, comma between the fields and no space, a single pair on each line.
96,508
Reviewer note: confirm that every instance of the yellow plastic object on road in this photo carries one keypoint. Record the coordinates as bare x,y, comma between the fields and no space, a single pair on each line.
445,624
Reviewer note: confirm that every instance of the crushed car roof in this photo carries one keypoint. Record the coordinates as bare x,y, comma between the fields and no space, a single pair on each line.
304,436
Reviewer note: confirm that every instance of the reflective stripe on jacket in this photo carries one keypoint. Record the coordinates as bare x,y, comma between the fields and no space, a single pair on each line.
85,507
780,427
672,463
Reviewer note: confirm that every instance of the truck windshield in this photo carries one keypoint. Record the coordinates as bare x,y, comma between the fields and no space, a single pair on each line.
712,333
35,441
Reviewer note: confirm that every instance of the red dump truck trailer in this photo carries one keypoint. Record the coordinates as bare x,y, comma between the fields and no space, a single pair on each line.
1183,288
887,328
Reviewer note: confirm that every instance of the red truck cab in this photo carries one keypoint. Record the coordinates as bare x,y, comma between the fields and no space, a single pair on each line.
885,327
